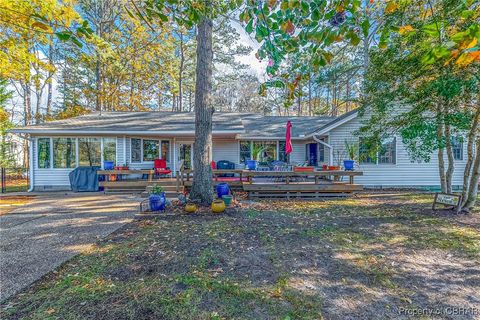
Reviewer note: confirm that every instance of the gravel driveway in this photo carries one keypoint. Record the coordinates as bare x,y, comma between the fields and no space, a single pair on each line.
38,237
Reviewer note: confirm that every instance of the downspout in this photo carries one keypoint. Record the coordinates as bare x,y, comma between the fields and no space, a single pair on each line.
330,148
30,156
174,156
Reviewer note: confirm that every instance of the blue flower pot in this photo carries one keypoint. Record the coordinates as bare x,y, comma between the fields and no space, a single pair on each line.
251,164
348,164
222,190
108,165
157,202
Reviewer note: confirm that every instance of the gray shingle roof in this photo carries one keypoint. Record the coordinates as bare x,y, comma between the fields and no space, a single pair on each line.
258,126
148,122
246,125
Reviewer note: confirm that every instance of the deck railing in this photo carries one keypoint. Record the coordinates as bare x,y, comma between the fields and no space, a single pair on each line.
184,176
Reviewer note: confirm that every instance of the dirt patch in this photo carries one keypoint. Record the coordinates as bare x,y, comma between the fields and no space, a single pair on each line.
9,203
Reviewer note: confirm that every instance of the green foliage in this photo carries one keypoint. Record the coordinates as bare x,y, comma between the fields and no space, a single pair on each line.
257,151
6,157
412,88
352,149
156,189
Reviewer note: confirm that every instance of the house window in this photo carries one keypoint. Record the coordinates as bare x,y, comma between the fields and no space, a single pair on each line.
386,154
364,153
136,145
245,152
457,148
321,152
43,153
269,150
147,150
166,150
110,149
388,150
282,156
89,152
150,150
64,153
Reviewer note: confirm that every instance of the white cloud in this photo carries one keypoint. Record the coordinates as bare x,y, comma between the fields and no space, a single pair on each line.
245,39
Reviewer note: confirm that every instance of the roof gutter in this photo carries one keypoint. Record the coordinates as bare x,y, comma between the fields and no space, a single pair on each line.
145,133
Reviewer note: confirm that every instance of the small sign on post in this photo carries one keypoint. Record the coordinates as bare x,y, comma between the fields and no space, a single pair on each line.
453,200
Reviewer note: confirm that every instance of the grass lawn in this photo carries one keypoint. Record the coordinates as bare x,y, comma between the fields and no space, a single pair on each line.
370,257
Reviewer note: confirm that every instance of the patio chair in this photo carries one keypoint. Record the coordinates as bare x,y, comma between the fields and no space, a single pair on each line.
225,165
160,167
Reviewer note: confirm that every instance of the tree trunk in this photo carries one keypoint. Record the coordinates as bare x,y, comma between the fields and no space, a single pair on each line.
467,173
98,82
180,74
441,160
190,105
471,195
50,84
310,113
451,159
202,186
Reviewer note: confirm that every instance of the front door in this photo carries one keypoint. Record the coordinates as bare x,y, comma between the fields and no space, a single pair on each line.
312,154
185,154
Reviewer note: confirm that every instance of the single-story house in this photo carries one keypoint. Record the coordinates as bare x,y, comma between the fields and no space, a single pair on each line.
135,139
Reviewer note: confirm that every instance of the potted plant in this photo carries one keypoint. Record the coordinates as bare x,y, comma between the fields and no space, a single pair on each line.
352,152
256,155
338,157
157,199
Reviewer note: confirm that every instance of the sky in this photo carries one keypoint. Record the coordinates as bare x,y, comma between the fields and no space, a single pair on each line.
245,39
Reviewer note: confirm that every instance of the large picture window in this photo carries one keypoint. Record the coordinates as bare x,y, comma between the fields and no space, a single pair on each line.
43,153
150,150
64,153
147,150
90,152
110,149
269,152
282,156
245,152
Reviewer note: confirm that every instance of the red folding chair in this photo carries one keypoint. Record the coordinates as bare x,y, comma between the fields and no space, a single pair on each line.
160,167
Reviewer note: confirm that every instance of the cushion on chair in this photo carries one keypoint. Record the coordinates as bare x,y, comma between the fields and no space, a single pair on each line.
163,171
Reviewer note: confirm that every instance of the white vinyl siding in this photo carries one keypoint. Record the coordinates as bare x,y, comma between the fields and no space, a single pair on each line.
403,173
226,150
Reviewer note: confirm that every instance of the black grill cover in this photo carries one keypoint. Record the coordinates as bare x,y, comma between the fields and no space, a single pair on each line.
84,179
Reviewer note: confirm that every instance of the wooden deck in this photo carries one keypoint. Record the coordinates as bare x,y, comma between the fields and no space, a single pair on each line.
259,184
